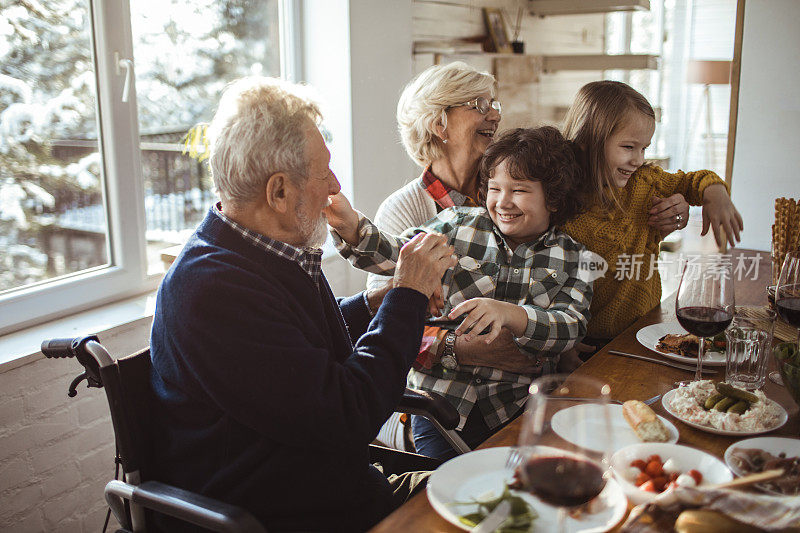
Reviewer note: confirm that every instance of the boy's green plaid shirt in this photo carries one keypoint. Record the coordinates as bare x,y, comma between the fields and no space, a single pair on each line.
541,276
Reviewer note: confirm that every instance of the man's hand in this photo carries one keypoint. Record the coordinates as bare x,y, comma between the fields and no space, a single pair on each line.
422,263
343,218
720,213
666,212
486,312
502,354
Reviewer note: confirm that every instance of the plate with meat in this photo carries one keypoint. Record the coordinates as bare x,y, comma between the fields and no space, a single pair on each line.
671,340
755,455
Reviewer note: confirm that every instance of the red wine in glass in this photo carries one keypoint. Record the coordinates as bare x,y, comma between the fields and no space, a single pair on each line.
564,481
704,321
789,310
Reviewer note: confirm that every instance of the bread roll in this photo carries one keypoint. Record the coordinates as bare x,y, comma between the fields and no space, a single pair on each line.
647,426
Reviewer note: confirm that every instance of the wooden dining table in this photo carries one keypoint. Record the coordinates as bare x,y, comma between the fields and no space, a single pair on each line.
632,379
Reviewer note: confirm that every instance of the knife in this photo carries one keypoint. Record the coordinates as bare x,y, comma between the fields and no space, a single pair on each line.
660,362
493,519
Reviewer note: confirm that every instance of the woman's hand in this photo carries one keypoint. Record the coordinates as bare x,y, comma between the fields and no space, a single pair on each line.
668,214
485,313
342,218
720,213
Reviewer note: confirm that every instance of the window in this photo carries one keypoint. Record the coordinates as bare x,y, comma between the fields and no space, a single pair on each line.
95,100
693,105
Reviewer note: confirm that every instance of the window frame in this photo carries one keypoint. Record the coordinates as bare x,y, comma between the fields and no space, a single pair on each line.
125,274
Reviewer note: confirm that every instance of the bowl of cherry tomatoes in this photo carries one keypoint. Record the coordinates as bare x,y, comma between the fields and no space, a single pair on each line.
648,469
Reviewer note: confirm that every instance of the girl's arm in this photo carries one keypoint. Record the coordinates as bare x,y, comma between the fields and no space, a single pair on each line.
704,187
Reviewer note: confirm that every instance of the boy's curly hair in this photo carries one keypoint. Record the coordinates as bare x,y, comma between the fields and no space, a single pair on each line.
543,155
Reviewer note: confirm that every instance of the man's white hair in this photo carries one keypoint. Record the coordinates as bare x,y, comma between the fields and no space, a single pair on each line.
258,130
424,102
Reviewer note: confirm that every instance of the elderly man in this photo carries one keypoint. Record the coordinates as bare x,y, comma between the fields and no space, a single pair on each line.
268,389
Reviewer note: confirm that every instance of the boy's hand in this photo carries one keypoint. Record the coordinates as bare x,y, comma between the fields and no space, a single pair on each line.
664,213
486,312
343,218
719,212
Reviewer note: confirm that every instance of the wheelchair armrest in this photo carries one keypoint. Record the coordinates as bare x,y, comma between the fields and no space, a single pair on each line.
185,505
430,405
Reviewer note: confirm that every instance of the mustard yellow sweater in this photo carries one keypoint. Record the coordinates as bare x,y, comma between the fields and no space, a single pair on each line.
617,303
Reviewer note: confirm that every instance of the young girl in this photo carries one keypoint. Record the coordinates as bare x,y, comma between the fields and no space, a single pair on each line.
516,270
614,124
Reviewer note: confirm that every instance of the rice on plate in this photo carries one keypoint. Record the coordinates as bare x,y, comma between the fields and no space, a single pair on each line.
688,401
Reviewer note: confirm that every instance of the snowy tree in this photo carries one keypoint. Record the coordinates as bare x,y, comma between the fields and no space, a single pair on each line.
184,52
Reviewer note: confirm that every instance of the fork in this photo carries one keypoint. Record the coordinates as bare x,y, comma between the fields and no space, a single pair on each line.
513,460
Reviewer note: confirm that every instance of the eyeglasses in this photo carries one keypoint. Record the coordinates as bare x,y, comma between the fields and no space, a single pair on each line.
482,105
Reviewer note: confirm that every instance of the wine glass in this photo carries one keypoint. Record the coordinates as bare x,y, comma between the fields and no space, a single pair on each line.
787,292
565,442
705,302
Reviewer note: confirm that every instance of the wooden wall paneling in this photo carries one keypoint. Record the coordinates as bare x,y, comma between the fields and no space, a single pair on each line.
517,69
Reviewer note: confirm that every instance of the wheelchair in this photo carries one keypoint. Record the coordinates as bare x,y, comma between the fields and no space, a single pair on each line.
138,495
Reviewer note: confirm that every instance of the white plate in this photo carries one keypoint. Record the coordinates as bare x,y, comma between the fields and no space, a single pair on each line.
595,437
649,336
685,458
667,398
773,445
479,473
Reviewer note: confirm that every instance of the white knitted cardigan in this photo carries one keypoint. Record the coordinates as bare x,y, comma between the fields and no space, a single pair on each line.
407,207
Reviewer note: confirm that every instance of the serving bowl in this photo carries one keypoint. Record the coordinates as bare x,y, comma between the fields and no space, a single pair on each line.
684,458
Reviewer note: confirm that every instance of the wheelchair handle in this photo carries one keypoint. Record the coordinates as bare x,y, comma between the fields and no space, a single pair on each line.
89,353
62,347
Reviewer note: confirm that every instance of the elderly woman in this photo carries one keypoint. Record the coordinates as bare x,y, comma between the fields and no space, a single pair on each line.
447,117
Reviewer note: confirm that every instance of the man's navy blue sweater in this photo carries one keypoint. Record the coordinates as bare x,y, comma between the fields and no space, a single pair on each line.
262,399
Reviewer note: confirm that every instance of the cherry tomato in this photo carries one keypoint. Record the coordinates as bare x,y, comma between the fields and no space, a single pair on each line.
654,458
642,478
660,483
654,468
698,477
638,463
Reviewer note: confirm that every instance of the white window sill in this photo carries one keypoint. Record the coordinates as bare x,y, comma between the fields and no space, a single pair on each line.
23,347
130,318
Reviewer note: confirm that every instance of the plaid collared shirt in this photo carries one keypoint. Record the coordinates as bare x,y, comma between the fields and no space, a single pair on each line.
443,195
309,259
541,276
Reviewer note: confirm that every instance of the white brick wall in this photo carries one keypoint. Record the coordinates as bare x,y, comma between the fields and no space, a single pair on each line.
56,452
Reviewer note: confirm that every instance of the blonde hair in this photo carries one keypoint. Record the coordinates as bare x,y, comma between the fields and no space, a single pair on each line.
600,109
259,129
424,102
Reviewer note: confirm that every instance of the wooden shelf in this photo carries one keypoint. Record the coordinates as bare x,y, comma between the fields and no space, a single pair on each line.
599,62
543,8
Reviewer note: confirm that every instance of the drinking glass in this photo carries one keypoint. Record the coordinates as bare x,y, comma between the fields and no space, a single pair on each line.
705,302
565,442
787,292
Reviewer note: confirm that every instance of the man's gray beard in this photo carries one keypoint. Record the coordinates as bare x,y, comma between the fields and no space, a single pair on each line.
314,234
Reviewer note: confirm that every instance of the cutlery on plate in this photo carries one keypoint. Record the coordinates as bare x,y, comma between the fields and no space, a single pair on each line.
749,479
649,401
493,519
660,362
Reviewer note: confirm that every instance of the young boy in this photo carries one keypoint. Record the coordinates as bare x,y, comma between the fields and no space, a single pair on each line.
515,269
